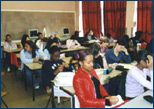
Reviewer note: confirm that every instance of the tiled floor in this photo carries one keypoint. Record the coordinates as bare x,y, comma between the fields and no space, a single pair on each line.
19,98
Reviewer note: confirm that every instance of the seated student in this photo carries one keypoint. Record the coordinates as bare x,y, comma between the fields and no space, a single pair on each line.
72,42
104,45
31,54
132,50
136,77
90,92
52,67
99,60
43,43
54,39
8,45
89,35
149,46
108,35
38,40
137,38
117,54
25,38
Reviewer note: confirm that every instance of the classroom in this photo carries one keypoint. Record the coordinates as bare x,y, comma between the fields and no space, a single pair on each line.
76,54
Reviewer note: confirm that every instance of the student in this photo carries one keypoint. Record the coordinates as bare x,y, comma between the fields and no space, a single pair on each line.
8,44
38,40
132,50
90,92
104,43
54,39
108,35
52,67
99,60
31,54
137,38
149,46
136,77
117,54
72,42
25,38
89,35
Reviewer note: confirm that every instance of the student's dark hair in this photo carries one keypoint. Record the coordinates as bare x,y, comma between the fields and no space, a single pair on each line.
121,42
39,33
44,40
54,49
33,47
95,49
108,35
138,34
81,55
7,36
73,37
142,55
23,40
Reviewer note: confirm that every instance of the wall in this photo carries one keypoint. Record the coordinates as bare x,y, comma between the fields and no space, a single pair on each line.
129,16
61,12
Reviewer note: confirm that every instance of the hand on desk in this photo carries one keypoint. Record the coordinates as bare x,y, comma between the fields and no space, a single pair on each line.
35,60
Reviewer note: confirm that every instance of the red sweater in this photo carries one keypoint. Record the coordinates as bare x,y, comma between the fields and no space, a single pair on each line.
85,90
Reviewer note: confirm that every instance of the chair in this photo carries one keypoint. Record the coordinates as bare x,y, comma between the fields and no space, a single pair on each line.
15,62
2,95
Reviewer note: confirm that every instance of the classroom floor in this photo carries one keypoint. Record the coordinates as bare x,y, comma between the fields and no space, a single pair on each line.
17,97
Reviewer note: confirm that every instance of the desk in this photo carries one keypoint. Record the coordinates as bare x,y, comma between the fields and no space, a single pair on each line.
32,67
128,66
12,51
74,49
139,101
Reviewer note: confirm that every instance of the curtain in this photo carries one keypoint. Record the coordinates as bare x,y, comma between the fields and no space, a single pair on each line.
145,19
91,12
115,18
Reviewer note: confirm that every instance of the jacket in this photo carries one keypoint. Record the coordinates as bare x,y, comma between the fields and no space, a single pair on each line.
85,90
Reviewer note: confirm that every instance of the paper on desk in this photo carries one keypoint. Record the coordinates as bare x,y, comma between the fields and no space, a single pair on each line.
64,79
126,66
119,102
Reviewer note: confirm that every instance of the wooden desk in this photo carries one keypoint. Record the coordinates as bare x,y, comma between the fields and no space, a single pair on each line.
74,49
12,51
139,101
128,66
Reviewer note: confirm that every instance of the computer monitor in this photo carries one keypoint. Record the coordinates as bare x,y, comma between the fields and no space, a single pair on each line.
66,31
33,33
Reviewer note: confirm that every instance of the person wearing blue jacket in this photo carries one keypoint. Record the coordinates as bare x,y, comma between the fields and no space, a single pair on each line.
31,54
118,54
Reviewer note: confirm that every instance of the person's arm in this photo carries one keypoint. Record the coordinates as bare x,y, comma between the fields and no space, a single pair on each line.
69,43
6,46
42,55
78,44
142,80
105,63
125,57
14,45
24,59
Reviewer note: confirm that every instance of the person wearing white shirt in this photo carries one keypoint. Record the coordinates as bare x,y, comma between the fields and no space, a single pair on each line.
136,77
31,54
72,43
38,41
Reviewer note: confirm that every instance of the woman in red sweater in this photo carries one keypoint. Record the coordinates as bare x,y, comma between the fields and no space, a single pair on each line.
90,92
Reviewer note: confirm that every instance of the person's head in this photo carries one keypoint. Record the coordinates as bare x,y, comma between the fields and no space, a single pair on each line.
39,34
91,32
8,38
125,37
73,37
53,34
120,45
54,53
108,35
85,60
104,43
25,38
76,34
142,59
44,41
95,49
138,34
30,47
130,43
